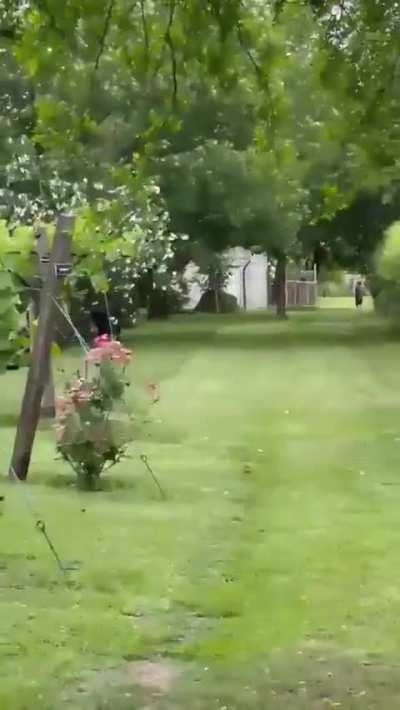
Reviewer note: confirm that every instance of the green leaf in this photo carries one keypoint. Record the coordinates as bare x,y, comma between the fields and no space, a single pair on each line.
55,350
100,282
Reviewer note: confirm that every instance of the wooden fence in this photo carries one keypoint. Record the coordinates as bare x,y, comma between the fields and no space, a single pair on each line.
301,293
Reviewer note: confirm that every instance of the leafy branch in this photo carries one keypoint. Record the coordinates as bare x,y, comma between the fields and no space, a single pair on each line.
171,46
248,52
103,38
257,69
52,22
278,7
145,28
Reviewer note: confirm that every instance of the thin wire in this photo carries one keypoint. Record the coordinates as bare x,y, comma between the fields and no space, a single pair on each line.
27,499
145,461
81,340
69,320
108,313
42,528
39,524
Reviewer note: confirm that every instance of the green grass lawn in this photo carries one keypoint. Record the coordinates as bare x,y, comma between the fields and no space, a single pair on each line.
340,302
268,579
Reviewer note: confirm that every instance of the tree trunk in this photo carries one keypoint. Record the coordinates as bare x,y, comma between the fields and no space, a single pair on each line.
217,304
280,281
39,369
48,405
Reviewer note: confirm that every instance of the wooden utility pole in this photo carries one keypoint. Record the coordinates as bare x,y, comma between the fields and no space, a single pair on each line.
60,261
48,405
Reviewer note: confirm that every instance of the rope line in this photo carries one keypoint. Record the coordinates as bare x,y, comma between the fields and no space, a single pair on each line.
42,528
82,342
108,313
145,461
39,524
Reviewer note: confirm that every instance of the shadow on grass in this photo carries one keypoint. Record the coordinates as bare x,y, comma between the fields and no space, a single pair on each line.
9,420
107,483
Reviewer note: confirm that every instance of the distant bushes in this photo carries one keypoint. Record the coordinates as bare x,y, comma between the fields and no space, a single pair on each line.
385,283
332,283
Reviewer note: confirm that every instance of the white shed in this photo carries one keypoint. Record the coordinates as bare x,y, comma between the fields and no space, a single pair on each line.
247,282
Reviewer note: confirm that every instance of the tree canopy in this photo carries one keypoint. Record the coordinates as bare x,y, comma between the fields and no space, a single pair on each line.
260,120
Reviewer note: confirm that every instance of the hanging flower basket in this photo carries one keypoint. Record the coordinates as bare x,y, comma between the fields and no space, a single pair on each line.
92,428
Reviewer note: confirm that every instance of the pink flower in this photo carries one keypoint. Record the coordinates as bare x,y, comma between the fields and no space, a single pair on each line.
60,430
64,406
97,355
102,340
81,396
118,353
107,349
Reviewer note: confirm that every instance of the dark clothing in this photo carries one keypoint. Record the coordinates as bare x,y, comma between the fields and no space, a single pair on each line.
102,324
359,295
